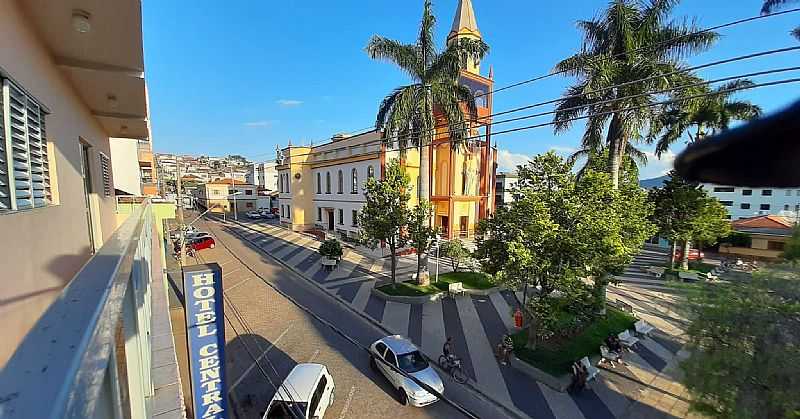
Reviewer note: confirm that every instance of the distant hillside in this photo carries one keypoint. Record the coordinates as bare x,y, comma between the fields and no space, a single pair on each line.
653,183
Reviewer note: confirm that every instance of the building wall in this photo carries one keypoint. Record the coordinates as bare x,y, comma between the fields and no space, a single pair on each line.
125,165
347,201
45,247
780,202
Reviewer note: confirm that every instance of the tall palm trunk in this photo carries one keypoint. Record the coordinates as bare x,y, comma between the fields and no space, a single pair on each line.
616,149
423,193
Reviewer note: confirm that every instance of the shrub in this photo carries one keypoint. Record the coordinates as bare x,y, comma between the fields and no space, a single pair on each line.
331,249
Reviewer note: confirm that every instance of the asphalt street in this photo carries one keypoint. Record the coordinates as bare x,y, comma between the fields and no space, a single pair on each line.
263,324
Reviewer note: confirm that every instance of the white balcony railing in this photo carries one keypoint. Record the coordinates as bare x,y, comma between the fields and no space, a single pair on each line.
90,355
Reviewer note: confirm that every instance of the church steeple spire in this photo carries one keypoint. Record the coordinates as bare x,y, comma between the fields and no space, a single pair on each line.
465,26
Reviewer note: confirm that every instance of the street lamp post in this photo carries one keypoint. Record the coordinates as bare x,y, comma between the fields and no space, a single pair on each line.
233,185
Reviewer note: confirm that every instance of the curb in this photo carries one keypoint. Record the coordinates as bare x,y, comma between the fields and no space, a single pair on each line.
511,411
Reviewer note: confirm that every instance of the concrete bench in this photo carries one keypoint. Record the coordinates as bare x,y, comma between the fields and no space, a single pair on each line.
656,271
455,288
688,276
329,264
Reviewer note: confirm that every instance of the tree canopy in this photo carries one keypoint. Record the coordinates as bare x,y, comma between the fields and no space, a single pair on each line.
684,212
744,345
561,229
386,211
792,250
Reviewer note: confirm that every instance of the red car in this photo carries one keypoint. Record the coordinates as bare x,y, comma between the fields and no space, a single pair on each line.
206,242
694,254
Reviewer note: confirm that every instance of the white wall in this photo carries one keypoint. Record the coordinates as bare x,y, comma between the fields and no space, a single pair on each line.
780,202
125,165
347,201
42,249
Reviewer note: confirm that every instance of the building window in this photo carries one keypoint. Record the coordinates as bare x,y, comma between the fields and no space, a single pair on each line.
765,207
354,181
786,207
723,189
766,192
726,203
341,216
288,183
328,182
319,183
779,246
464,178
27,184
747,192
371,174
105,173
248,192
745,206
355,218
289,211
340,183
788,192
728,217
248,205
319,214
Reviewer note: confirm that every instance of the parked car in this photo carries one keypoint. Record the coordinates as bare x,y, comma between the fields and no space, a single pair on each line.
174,234
694,254
200,243
307,392
253,215
268,214
402,354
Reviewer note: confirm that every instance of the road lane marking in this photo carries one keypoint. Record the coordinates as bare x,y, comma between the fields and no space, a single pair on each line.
347,402
253,365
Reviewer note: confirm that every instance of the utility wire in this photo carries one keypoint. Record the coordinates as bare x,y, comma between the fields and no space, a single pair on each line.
654,104
552,74
552,101
668,41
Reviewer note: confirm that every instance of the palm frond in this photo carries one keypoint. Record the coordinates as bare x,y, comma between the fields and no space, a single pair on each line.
404,56
678,40
771,5
425,41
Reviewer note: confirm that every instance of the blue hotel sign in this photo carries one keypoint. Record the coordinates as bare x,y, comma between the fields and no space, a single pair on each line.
205,326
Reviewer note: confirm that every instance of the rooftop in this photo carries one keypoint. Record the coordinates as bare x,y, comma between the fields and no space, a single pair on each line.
763,221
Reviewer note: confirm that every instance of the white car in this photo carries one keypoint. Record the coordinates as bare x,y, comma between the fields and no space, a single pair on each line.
253,215
401,353
307,392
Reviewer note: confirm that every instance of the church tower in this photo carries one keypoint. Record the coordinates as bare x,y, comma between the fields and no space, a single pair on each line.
465,27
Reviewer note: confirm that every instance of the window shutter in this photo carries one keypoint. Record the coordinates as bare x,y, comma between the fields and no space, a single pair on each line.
105,170
21,164
37,147
5,192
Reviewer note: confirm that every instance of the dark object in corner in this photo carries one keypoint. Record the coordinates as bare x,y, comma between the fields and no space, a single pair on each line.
765,152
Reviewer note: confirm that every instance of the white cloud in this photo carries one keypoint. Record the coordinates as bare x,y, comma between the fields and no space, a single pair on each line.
508,161
563,150
260,124
289,102
657,167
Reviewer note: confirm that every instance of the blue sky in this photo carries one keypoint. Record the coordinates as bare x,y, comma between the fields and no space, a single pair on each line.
241,77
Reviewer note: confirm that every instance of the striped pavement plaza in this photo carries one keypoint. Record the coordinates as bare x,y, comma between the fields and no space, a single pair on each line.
477,324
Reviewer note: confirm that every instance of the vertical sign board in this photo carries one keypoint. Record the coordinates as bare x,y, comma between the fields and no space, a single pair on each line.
205,327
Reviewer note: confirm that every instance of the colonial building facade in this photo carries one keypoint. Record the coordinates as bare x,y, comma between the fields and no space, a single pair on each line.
322,187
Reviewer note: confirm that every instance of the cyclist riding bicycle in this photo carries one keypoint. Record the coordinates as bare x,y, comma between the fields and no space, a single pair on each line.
447,350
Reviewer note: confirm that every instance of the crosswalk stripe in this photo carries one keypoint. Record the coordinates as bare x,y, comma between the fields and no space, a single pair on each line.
433,334
561,404
395,317
362,296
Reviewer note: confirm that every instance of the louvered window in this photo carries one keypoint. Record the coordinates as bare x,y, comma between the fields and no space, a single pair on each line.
105,168
24,170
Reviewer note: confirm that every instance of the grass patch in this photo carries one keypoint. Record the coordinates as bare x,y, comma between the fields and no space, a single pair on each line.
472,280
557,359
701,267
409,289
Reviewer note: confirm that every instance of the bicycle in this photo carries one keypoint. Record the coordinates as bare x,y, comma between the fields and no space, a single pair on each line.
453,366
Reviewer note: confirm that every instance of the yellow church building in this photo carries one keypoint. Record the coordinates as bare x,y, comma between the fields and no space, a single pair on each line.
321,187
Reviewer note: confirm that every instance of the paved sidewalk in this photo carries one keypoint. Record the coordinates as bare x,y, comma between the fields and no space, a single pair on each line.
646,388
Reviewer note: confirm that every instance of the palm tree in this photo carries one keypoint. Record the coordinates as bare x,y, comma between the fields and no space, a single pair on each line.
772,5
630,41
597,160
407,114
707,115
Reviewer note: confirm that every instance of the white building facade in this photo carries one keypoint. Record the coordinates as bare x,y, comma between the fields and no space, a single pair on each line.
503,186
745,202
264,175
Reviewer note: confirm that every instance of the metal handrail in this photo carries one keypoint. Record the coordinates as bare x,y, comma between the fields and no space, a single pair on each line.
62,365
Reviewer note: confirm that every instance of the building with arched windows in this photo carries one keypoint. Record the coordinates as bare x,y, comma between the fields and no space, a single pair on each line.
327,181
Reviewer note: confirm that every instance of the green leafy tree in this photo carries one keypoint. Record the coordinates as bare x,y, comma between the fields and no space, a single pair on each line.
684,212
455,251
421,235
559,230
771,6
744,345
705,116
386,212
408,112
630,41
331,249
792,251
